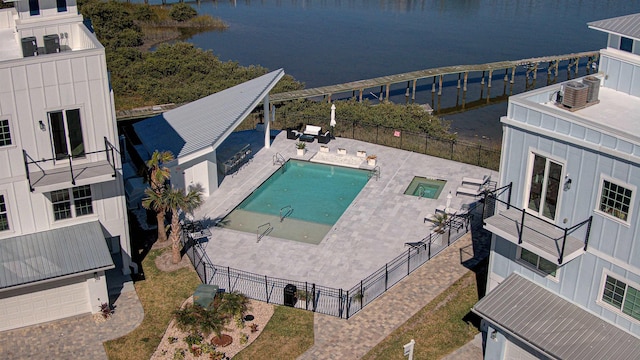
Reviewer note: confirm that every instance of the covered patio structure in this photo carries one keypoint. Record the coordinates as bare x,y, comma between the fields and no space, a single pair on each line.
193,132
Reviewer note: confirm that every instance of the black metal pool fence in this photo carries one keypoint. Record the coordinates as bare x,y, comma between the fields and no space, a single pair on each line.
323,299
483,155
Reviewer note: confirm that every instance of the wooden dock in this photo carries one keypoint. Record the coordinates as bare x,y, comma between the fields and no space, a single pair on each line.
411,78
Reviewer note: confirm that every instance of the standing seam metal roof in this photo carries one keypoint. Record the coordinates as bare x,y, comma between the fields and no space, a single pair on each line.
549,322
207,121
54,253
628,25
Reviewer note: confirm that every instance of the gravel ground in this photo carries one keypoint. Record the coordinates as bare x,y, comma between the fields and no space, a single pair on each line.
261,311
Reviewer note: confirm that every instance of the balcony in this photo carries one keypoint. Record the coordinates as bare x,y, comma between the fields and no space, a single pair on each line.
69,172
549,241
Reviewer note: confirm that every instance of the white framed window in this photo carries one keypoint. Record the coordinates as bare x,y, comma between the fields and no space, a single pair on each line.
537,263
70,203
4,214
615,199
5,132
544,183
620,295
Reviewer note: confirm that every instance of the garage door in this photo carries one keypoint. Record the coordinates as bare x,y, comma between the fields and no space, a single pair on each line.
514,352
43,302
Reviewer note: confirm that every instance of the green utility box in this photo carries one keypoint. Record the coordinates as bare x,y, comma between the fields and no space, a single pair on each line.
204,294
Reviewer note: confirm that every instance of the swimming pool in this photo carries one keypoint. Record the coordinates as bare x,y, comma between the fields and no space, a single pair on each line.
425,187
308,197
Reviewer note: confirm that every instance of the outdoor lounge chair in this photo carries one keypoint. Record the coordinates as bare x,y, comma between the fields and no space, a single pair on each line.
292,134
324,138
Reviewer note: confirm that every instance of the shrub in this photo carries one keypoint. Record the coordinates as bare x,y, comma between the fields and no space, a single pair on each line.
182,12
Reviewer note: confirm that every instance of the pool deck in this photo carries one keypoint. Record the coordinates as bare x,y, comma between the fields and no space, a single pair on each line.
372,231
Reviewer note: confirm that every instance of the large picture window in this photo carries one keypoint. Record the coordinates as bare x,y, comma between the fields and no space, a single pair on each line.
541,264
622,296
615,199
69,203
66,134
544,187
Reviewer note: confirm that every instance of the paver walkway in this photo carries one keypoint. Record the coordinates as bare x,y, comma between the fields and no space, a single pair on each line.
78,337
351,339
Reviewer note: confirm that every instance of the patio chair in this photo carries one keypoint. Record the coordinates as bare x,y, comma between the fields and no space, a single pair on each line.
292,134
324,138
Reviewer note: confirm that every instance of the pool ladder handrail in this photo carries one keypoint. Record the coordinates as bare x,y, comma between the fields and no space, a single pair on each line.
278,159
285,214
259,235
375,173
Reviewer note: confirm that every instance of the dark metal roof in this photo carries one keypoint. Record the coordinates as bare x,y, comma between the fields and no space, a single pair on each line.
628,26
54,253
548,322
206,122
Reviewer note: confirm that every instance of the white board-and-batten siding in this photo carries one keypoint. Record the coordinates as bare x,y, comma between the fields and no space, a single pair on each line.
31,90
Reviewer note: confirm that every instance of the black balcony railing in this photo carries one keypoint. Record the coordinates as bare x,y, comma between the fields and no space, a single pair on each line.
527,220
109,151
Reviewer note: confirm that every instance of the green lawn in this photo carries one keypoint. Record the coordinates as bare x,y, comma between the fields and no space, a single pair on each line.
438,329
288,334
160,294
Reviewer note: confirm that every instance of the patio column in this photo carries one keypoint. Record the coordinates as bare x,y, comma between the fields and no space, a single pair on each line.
267,123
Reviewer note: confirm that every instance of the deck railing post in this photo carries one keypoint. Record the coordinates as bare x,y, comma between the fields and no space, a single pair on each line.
73,179
521,227
564,241
229,278
26,168
266,288
409,261
586,238
340,302
306,294
509,195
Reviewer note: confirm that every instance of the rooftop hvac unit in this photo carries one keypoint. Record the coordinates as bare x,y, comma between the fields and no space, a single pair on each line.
29,46
594,88
52,44
575,94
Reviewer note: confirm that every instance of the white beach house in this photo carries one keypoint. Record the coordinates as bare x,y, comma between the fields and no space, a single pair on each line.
564,269
62,205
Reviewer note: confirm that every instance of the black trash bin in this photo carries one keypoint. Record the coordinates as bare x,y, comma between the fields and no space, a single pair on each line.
290,295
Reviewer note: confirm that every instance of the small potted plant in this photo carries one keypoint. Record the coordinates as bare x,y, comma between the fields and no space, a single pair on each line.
371,160
301,148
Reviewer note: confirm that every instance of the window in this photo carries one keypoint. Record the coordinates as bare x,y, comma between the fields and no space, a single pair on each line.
622,296
626,44
4,215
68,203
5,133
62,5
34,7
66,134
544,188
615,200
538,263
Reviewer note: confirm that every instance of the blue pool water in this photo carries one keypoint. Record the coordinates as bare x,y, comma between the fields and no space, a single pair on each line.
310,196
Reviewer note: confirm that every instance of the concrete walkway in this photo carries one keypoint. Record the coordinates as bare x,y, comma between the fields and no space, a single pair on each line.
78,337
351,339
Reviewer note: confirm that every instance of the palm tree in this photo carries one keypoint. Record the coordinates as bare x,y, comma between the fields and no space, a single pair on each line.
158,176
178,201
